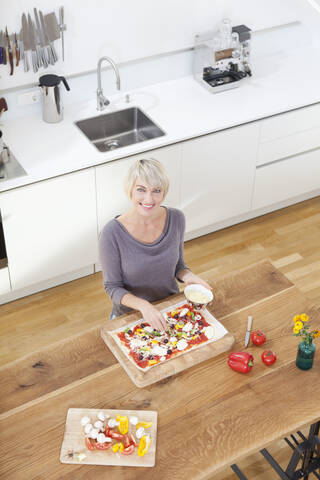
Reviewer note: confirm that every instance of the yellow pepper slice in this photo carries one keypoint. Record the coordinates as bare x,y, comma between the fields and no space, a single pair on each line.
144,445
121,447
116,447
124,424
153,362
143,424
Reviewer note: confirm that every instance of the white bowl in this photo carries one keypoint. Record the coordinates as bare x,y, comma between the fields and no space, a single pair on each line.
199,288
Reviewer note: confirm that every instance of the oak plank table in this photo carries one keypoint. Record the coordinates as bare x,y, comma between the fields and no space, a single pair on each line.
209,416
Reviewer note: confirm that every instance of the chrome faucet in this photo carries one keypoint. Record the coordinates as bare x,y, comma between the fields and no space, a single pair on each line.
102,101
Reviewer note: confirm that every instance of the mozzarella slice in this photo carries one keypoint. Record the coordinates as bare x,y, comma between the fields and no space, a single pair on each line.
182,344
88,428
101,438
98,424
94,433
140,432
188,327
133,420
183,312
85,420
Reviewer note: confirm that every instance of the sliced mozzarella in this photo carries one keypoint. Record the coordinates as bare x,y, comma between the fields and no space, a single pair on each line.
140,432
108,439
112,423
102,416
85,420
197,317
183,312
182,344
133,420
88,428
98,424
94,433
188,327
173,339
162,359
148,329
209,332
101,438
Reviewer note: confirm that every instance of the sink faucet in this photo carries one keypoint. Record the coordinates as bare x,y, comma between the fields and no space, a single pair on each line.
102,101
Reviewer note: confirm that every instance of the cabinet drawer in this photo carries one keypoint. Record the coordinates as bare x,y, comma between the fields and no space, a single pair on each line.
290,123
286,179
287,146
5,286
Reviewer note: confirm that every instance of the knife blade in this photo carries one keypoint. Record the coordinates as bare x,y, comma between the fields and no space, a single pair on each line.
9,52
40,39
3,56
62,27
32,38
26,44
53,32
248,332
46,39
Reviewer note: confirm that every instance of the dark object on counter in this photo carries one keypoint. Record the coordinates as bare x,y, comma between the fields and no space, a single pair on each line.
215,76
52,110
243,32
3,105
241,362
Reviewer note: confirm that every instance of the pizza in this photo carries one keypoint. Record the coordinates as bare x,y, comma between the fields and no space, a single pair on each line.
146,347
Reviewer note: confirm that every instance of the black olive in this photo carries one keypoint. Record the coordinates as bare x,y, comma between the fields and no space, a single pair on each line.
130,332
150,357
198,332
165,340
144,338
169,351
143,325
140,357
200,322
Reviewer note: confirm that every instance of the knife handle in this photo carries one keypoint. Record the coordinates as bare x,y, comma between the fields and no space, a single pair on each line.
44,57
11,61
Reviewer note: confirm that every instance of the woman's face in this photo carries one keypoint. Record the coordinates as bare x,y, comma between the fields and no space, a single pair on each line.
146,200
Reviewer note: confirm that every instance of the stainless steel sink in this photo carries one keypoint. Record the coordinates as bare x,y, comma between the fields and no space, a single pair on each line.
119,129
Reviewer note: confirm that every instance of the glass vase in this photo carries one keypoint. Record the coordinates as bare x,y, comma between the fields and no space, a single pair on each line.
305,355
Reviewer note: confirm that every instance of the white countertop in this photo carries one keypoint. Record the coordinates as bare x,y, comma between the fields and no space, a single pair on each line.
182,108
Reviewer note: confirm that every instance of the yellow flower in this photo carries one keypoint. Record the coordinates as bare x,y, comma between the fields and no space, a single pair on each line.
298,325
296,318
296,330
316,333
304,317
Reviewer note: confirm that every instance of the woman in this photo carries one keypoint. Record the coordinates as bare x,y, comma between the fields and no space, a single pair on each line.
141,251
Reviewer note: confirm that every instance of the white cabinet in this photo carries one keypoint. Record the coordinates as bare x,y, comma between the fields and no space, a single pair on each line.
286,179
111,198
50,227
4,281
217,175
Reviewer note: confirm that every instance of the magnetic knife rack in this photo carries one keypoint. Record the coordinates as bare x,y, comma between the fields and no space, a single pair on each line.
34,44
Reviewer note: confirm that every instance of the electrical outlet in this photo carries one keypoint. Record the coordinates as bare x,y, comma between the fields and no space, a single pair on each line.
29,98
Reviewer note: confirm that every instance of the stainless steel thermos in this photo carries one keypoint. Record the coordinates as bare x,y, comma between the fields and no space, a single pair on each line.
52,109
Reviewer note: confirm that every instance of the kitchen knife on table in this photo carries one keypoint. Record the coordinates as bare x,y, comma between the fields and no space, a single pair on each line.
26,43
9,51
46,39
40,39
32,39
248,332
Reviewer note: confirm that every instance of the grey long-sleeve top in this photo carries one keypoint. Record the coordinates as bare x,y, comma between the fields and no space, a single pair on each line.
147,270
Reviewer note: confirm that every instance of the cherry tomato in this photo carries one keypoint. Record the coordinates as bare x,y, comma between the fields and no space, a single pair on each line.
115,435
268,357
258,337
102,446
128,450
89,444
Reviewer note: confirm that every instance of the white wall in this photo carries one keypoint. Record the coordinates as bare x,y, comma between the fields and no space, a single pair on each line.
128,30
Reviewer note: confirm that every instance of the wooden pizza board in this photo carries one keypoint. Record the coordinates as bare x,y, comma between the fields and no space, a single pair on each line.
170,367
74,439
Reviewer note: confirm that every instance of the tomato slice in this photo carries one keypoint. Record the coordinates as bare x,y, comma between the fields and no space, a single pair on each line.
115,435
102,446
132,440
89,444
126,441
129,450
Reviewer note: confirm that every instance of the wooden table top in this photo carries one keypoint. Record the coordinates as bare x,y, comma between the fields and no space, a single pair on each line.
208,416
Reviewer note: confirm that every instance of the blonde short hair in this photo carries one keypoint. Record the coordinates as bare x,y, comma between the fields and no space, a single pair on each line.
151,171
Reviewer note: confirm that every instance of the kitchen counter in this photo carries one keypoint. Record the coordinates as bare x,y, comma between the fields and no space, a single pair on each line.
224,416
182,108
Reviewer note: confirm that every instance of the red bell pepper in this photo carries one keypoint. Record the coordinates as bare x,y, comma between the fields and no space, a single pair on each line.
240,361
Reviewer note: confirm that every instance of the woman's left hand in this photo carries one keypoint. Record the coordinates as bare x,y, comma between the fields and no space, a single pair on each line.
190,277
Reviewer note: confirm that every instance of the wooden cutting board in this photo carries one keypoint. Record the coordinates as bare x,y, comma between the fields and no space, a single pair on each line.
170,367
74,439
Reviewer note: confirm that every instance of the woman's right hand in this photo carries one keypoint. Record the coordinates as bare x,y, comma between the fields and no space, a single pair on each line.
153,316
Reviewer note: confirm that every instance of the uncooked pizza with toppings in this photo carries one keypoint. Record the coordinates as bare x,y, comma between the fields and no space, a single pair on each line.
146,347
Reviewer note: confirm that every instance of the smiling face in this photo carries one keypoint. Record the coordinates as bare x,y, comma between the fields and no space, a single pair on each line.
146,199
